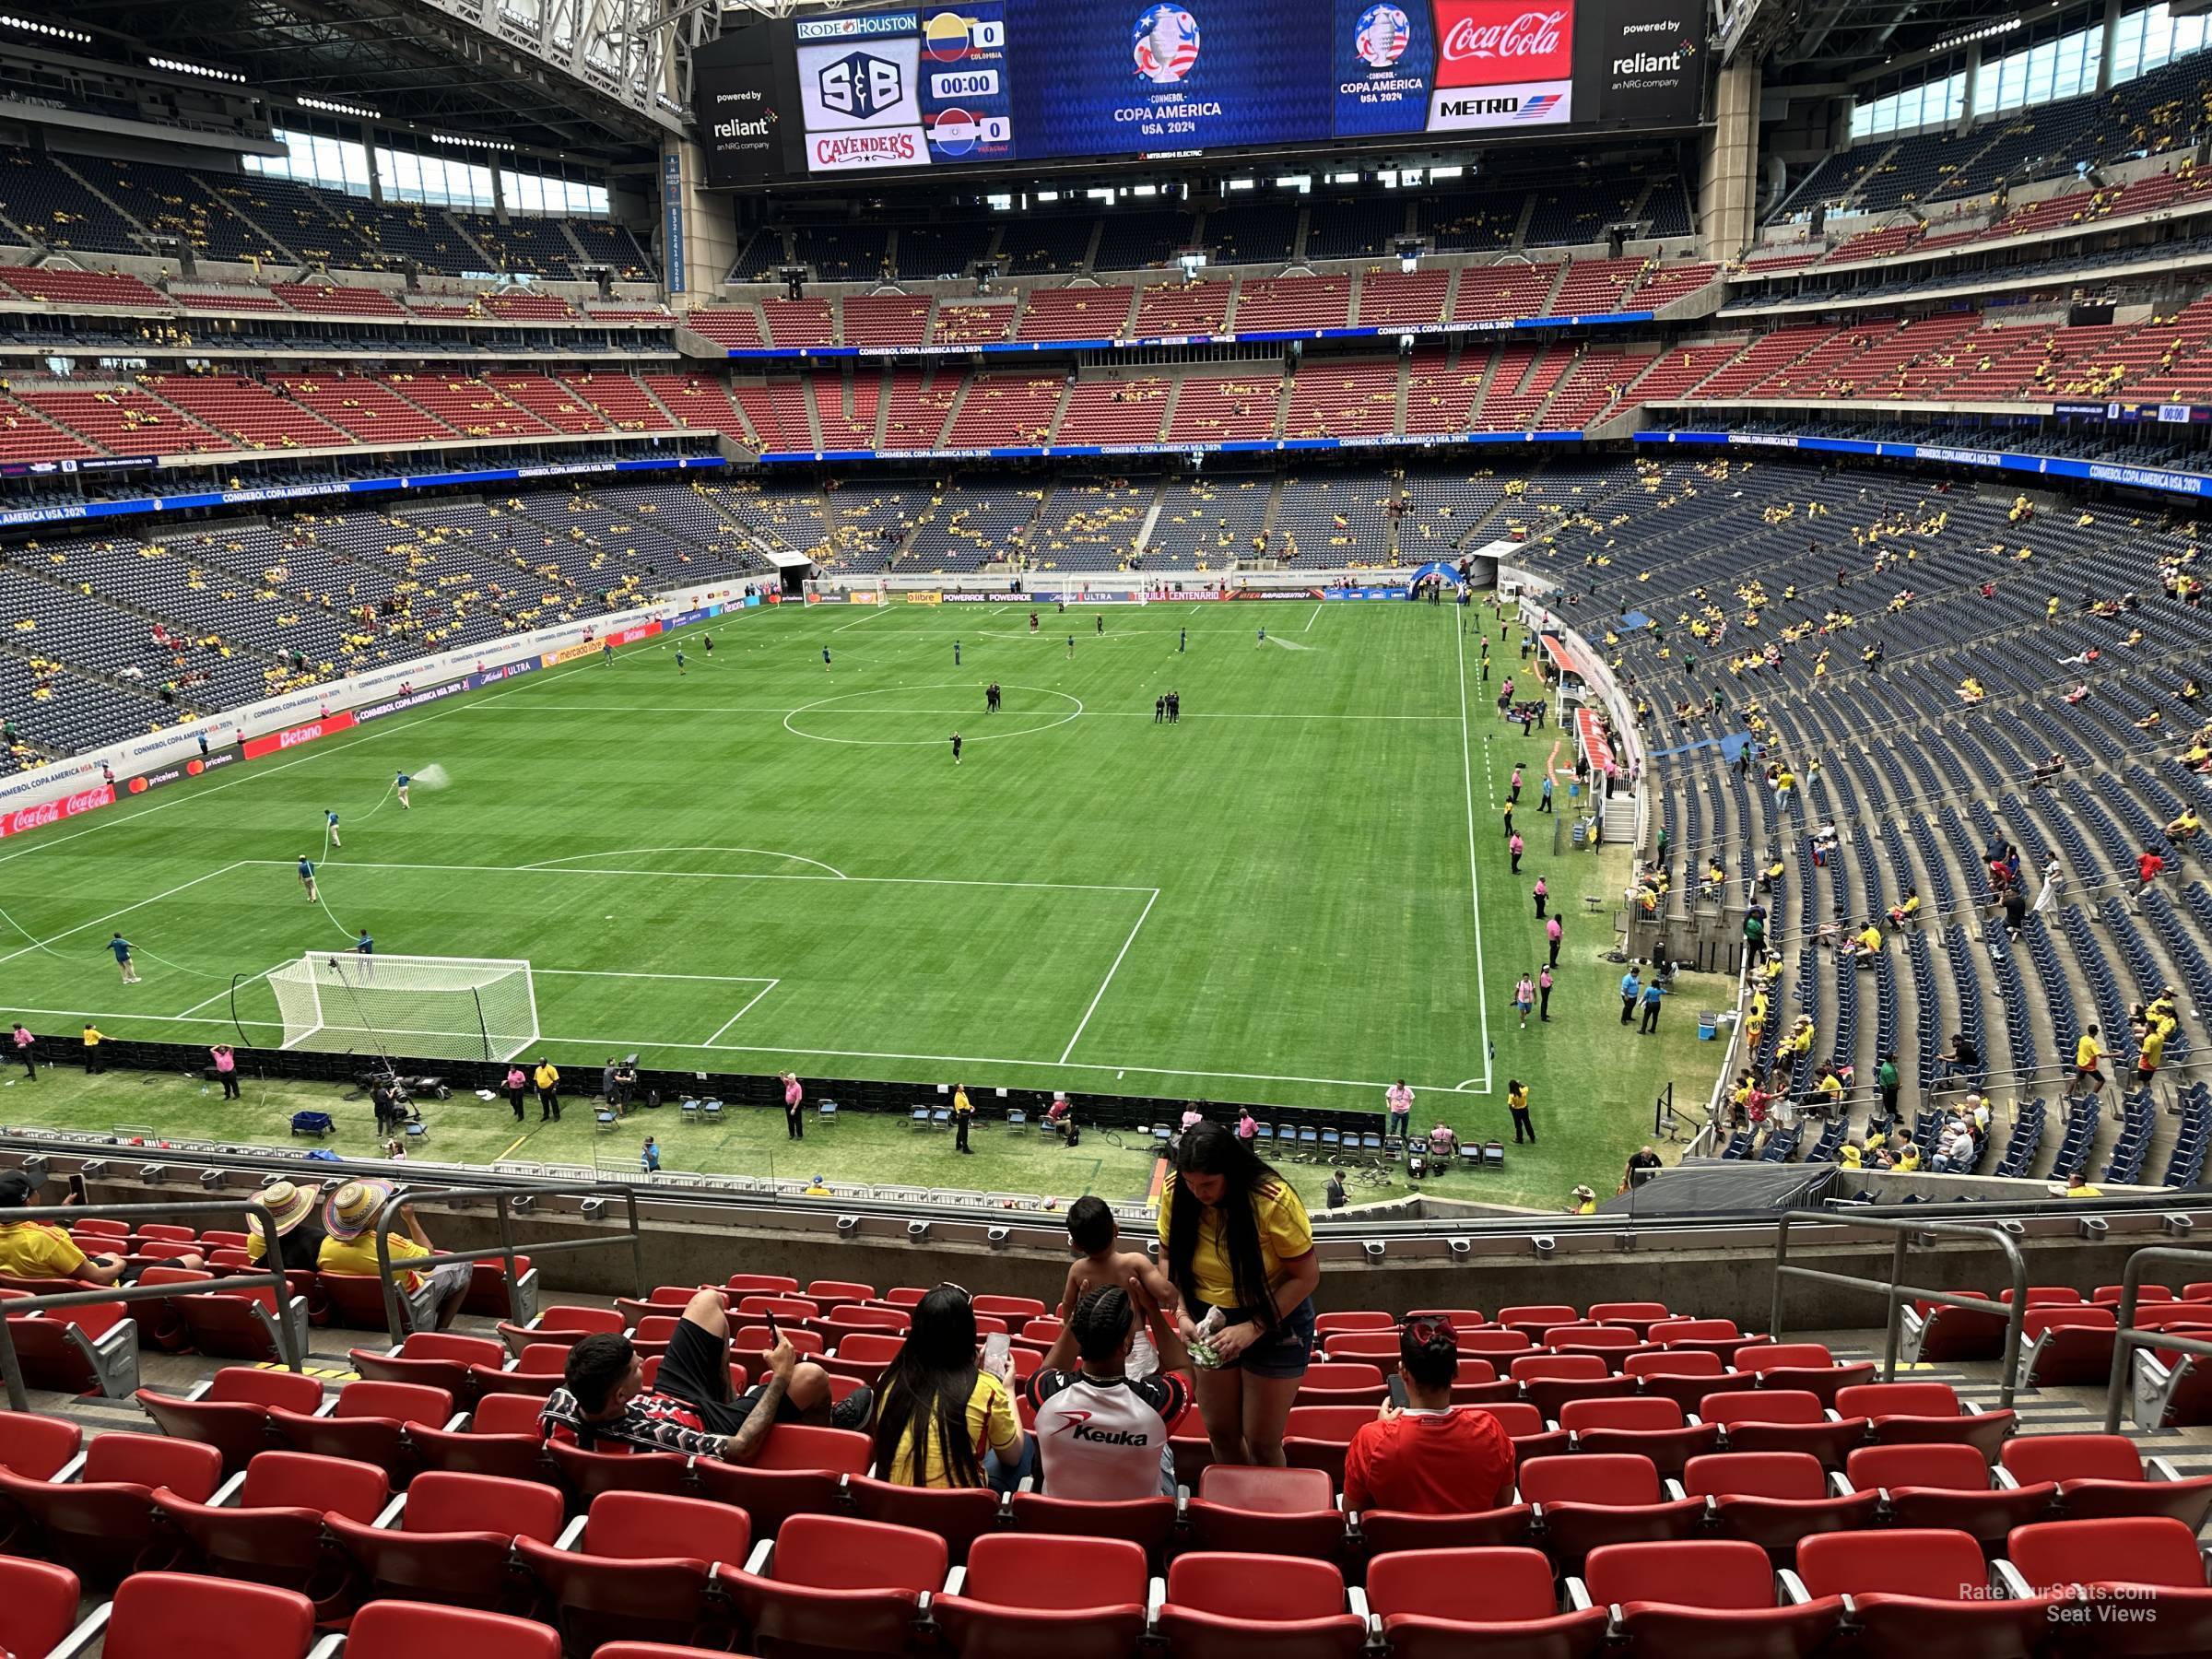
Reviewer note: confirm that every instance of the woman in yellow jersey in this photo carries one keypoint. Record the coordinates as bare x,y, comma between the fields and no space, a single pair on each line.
935,1397
1237,1239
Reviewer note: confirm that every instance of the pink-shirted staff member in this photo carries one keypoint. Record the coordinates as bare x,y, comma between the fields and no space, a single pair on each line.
1400,1100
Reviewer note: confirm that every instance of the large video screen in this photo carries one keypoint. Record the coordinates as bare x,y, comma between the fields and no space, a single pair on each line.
1017,82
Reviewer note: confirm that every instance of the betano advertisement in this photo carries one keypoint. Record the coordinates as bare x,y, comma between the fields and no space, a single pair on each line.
1020,82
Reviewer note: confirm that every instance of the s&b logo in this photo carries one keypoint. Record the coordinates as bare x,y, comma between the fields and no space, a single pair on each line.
861,84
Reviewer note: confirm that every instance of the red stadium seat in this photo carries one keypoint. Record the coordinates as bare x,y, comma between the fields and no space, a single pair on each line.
1949,1488
503,1438
1921,1593
274,1534
1684,1375
1774,1498
1369,1320
1477,1604
38,1606
1801,1365
1148,1523
795,1470
1643,1424
1925,1414
1387,1532
828,1293
1257,1607
1074,1598
2105,1474
367,1424
2167,1602
1608,1342
1492,1342
2061,1345
178,1616
435,1359
1639,1316
760,1284
101,1526
1317,1436
1784,1419
454,1539
1341,1383
959,1515
1534,1320
1266,1511
1591,1500
399,1629
643,1568
37,1447
2047,1296
1936,1333
836,1584
1011,1307
233,1413
1548,1381
1716,1336
1705,1599
585,1475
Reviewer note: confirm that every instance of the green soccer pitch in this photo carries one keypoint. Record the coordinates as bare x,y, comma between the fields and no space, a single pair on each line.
1294,896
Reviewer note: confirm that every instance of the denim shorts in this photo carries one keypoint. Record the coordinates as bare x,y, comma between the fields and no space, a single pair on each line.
1278,1354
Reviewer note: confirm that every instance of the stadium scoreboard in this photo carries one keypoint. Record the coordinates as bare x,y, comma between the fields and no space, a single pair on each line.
1000,82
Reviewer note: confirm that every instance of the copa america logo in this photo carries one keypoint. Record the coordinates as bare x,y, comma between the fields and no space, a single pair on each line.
1380,40
1165,42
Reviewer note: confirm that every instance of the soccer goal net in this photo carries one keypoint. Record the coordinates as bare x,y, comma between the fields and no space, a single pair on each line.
438,1007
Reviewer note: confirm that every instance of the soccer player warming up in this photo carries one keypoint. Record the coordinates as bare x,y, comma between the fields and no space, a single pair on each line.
955,749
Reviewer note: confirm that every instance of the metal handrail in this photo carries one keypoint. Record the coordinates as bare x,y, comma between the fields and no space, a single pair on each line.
504,1251
288,1339
2127,1338
1896,1293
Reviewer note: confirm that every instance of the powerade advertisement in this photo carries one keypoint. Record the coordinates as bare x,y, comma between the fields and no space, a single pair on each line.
1028,81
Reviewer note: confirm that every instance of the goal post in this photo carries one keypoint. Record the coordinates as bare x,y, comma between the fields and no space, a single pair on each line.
437,1007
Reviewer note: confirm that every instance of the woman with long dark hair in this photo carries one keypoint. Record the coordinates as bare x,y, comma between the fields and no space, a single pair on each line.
936,1397
1238,1240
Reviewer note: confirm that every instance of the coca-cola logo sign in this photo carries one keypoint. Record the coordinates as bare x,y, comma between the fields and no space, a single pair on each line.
1485,43
53,812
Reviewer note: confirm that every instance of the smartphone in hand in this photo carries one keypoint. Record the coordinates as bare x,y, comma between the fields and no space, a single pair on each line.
998,1356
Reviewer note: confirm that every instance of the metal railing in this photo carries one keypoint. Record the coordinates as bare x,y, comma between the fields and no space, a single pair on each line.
505,1251
2128,1340
1896,1293
290,1346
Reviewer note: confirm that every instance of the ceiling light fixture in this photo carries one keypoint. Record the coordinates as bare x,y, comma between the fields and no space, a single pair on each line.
179,66
30,26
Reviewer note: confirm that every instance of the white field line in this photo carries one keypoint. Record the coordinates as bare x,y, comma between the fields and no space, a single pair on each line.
766,986
1313,618
874,611
1466,762
1100,994
712,979
967,709
226,991
1063,887
127,909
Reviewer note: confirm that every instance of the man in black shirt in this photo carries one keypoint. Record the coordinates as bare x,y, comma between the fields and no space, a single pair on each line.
1333,1193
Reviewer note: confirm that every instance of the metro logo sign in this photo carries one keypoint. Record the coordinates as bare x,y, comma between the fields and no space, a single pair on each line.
1489,42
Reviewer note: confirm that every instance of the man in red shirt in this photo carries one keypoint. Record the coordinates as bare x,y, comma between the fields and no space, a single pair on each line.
1428,1456
2149,866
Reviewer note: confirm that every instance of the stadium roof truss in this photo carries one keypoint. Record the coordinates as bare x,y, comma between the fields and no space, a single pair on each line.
593,77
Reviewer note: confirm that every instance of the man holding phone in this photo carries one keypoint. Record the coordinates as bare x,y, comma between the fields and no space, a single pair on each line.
689,1407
